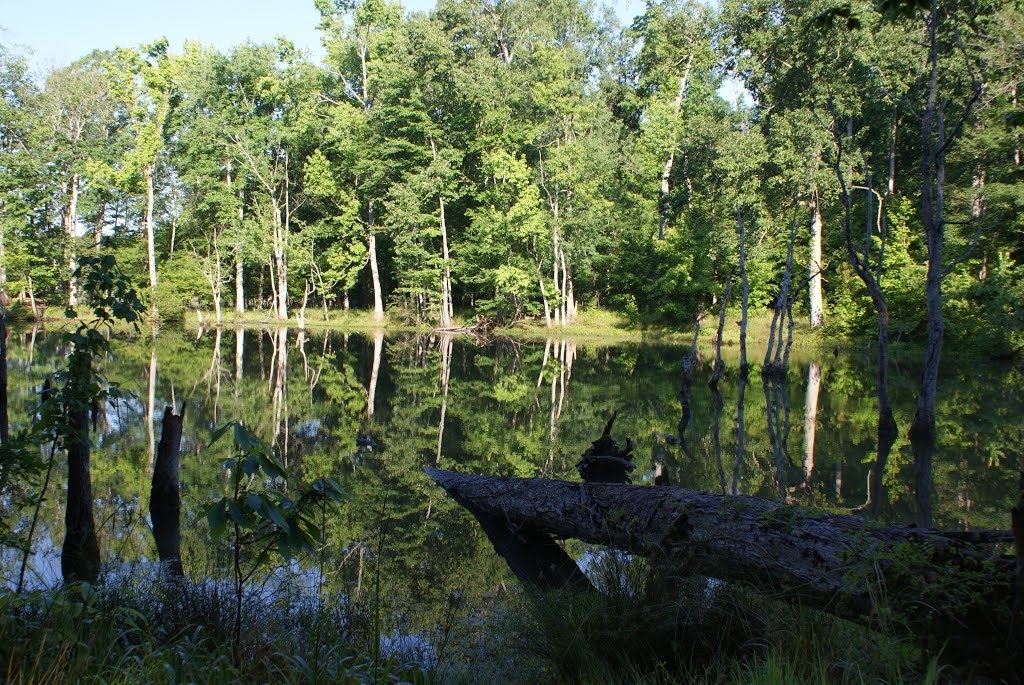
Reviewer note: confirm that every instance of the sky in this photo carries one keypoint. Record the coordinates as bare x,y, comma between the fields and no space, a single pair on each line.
60,31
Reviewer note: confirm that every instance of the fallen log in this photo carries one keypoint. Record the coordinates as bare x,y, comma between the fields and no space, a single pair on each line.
950,591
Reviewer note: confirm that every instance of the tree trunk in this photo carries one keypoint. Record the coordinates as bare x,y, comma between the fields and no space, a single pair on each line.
935,143
547,304
239,284
814,284
5,426
150,240
280,240
447,313
165,496
378,298
71,231
3,257
744,291
666,172
80,554
947,586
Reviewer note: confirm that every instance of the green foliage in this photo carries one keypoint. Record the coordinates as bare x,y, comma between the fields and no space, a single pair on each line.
645,627
135,630
266,512
523,135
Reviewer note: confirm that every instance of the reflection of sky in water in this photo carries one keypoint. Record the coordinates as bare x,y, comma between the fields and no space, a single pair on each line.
43,570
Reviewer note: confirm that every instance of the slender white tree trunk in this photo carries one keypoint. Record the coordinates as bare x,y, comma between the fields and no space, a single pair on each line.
281,289
814,285
150,240
3,261
378,300
557,318
447,312
547,304
239,284
71,229
666,172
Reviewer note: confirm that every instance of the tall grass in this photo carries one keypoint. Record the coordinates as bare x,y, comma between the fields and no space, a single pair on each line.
141,630
643,627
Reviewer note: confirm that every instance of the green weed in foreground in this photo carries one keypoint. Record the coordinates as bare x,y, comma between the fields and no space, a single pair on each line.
144,632
640,629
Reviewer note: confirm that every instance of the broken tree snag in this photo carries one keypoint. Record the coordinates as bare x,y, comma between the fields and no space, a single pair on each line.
604,461
946,590
80,553
165,495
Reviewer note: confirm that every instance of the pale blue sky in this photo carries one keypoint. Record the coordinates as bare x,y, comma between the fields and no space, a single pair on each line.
59,31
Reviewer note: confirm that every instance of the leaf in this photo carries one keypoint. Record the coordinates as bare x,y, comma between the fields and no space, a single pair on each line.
275,515
267,511
216,516
250,466
238,515
243,438
271,466
216,435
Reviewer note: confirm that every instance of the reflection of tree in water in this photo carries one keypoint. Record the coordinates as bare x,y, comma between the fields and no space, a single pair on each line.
777,412
498,408
445,344
718,405
811,423
559,356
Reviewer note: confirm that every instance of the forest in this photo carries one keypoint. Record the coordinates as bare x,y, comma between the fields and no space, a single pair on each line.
525,159
853,165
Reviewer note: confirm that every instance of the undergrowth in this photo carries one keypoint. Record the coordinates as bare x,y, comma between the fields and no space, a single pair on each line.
145,631
643,628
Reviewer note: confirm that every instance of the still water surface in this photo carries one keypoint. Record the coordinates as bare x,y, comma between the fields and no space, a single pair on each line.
508,407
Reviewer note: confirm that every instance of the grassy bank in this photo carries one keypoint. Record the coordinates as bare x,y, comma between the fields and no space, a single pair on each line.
142,631
643,628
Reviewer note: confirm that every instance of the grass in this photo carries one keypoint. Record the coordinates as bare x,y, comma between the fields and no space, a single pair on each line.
686,630
142,631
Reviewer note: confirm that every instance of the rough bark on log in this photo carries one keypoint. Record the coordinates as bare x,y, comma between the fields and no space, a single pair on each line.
947,590
165,495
